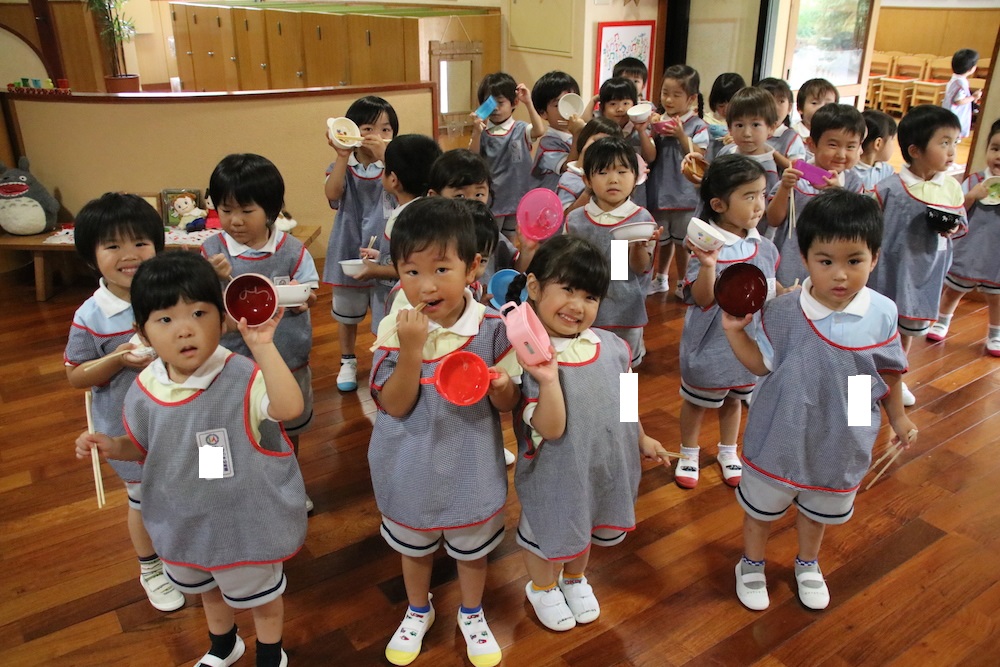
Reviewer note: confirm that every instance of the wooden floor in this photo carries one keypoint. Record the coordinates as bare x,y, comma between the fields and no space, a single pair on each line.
914,576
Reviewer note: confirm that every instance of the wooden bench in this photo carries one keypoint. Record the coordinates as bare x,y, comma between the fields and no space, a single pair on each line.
42,254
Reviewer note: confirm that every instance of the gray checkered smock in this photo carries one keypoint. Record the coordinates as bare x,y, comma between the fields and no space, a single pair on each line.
667,189
361,193
976,254
797,433
910,268
588,478
509,157
255,516
440,466
625,303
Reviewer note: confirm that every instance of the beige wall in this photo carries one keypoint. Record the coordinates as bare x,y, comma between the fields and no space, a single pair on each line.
152,142
722,38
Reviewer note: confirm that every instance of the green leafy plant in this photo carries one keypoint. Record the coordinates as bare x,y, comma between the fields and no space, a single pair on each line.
116,30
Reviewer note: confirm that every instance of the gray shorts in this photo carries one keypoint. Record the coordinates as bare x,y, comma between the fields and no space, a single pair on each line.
911,327
134,491
765,500
603,537
712,399
243,587
962,285
465,543
674,223
350,304
298,425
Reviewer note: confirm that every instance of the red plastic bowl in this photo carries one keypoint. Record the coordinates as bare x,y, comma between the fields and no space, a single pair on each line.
539,214
462,378
252,296
741,289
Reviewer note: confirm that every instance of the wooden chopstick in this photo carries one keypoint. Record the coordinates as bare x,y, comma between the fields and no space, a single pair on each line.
893,450
95,457
347,137
371,242
391,331
97,362
899,450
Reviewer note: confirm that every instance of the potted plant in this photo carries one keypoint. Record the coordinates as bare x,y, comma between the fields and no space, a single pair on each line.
116,30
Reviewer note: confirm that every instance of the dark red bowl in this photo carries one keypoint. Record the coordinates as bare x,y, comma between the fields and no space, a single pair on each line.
741,289
252,296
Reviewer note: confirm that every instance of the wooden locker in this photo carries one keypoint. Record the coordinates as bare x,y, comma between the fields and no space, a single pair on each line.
324,48
284,48
250,37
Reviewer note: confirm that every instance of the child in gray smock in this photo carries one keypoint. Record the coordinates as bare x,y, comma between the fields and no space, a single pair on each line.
975,265
835,136
113,235
798,447
224,524
572,190
611,170
578,471
712,378
437,468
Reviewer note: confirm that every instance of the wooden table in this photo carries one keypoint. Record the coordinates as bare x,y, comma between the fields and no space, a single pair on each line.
40,250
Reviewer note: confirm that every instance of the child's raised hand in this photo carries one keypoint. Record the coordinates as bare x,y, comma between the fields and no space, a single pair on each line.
980,191
411,328
727,139
731,323
373,143
708,258
575,124
652,450
259,335
831,182
341,151
545,372
693,167
87,441
522,94
790,177
478,124
136,361
678,131
222,267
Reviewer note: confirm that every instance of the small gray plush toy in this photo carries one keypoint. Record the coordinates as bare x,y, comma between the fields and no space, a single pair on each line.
26,207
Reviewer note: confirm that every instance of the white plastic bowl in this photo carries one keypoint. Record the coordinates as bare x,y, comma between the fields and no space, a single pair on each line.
640,113
571,104
336,127
634,231
352,267
704,236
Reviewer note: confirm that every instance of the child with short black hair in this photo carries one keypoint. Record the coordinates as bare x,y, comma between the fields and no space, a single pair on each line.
957,97
249,192
801,450
723,89
813,95
835,138
788,145
408,162
422,502
506,144
876,149
732,196
975,265
671,198
554,146
571,190
353,187
578,474
113,235
924,211
223,533
750,116
611,169
635,71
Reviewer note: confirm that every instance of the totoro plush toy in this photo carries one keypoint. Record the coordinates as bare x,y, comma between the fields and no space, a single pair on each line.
26,207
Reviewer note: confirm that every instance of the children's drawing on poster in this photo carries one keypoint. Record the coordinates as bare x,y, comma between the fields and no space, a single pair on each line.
622,40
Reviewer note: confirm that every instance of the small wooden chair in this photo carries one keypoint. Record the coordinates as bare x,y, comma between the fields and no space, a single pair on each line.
873,95
906,66
939,70
881,64
928,92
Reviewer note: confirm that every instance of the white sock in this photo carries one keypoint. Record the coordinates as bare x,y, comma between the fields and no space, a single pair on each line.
994,333
690,452
944,320
726,450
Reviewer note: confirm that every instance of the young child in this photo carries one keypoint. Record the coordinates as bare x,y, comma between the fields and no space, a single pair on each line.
835,137
610,171
672,198
635,71
876,149
916,257
957,97
617,96
750,116
196,397
723,89
353,187
506,144
554,146
975,265
250,192
424,503
788,145
408,162
813,95
572,192
568,430
797,447
732,195
114,234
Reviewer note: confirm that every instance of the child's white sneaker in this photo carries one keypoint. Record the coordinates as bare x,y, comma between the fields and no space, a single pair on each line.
732,468
551,608
937,332
347,378
993,347
751,588
679,292
209,660
480,644
908,398
687,469
580,599
658,285
404,647
813,592
161,593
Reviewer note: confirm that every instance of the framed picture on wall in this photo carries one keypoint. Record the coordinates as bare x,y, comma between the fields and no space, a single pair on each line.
623,40
181,206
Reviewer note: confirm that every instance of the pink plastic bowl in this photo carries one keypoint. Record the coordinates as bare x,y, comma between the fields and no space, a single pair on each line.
539,214
526,333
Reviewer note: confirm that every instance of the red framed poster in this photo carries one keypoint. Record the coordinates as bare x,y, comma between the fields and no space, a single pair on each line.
622,40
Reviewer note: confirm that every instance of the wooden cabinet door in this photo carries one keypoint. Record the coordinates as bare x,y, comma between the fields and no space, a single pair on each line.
227,42
284,48
206,48
324,47
250,37
386,50
359,43
182,44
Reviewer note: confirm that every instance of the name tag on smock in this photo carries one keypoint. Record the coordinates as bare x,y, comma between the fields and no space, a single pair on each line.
214,456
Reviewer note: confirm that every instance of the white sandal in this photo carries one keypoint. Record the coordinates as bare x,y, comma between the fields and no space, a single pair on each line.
813,597
755,599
